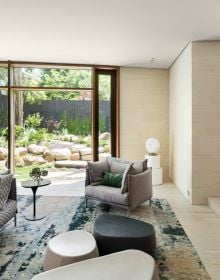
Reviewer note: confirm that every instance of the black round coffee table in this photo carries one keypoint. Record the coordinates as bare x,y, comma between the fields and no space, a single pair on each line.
34,185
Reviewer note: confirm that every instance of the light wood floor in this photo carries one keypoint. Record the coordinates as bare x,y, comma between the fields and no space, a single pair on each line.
200,224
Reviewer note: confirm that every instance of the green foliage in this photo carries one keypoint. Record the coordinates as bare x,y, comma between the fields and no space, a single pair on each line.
104,87
3,76
34,136
33,120
34,97
3,143
3,119
102,142
77,127
63,123
102,126
19,132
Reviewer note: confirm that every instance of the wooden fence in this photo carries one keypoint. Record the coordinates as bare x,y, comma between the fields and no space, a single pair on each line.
58,109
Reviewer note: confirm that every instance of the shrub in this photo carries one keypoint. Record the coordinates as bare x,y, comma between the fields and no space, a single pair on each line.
19,132
73,126
63,122
34,136
33,120
53,126
102,124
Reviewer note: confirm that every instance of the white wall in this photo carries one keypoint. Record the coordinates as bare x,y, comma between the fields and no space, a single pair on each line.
180,117
144,105
206,120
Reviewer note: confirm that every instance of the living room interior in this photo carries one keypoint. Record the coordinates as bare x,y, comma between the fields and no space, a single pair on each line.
158,64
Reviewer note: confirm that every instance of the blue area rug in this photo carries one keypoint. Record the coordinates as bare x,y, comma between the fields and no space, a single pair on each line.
22,248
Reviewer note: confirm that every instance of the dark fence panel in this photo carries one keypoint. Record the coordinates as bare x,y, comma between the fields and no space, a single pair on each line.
52,109
3,103
3,110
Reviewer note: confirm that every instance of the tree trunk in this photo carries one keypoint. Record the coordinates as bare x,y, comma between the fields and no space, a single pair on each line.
19,100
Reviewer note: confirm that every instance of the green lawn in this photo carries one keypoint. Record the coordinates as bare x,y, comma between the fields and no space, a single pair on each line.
23,173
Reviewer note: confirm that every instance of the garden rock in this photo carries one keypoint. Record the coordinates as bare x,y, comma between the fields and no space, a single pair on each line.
36,149
29,160
78,147
101,150
57,144
40,160
105,136
85,151
19,162
61,154
3,153
21,151
75,156
48,156
73,150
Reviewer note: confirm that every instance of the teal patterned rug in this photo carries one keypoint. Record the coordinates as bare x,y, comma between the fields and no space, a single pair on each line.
22,248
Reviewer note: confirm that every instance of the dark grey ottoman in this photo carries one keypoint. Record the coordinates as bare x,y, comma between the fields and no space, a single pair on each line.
115,233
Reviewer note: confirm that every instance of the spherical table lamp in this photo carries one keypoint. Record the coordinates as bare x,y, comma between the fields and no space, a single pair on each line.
152,146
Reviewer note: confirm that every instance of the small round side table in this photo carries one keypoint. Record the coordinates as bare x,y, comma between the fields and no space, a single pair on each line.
34,185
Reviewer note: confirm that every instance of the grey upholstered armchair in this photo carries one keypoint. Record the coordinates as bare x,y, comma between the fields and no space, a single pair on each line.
138,186
10,208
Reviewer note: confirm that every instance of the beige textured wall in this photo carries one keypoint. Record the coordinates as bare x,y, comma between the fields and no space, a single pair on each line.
144,105
180,116
206,120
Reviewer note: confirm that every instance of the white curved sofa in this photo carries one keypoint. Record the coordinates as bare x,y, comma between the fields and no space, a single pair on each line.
129,265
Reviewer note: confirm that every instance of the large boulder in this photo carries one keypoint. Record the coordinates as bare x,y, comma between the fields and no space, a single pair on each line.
61,154
3,153
75,156
19,162
78,147
30,159
105,136
58,144
48,156
36,149
40,160
21,151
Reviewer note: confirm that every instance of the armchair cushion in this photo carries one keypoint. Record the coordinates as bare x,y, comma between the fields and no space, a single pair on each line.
133,169
107,194
117,166
112,180
5,186
96,171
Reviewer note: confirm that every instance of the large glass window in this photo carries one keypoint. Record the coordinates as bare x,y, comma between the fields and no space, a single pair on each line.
60,116
51,130
53,77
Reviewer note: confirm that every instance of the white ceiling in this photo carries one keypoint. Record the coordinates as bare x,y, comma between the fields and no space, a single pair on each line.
109,32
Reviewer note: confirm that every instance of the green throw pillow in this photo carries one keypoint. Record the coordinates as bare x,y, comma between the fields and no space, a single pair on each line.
112,180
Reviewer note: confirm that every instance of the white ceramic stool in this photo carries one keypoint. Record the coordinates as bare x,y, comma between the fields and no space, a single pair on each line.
69,247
